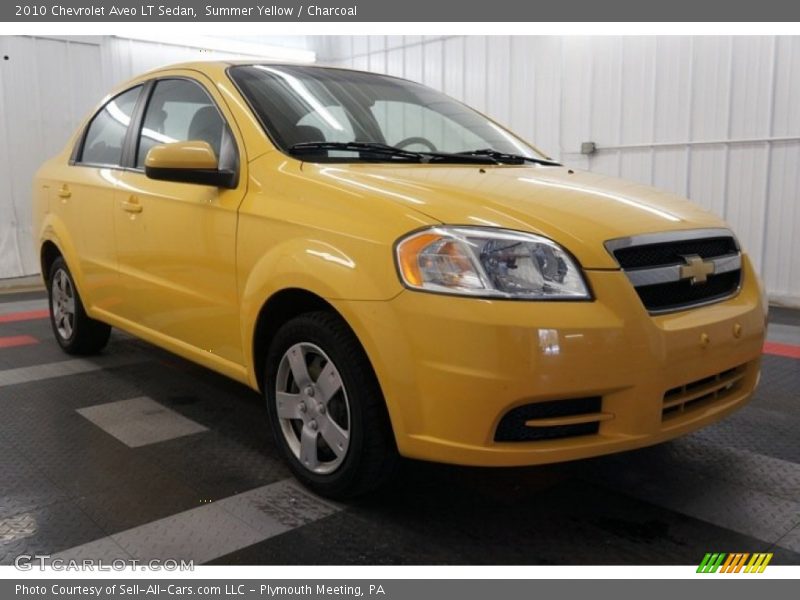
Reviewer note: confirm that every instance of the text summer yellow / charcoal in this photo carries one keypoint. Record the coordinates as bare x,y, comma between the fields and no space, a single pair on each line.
312,10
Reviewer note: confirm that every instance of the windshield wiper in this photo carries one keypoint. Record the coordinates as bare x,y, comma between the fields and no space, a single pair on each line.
506,157
387,150
371,147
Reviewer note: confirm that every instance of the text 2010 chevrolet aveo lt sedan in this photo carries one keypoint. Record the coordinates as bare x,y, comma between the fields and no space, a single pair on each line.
397,274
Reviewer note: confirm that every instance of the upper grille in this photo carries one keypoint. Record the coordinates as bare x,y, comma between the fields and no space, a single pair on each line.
680,270
671,253
670,296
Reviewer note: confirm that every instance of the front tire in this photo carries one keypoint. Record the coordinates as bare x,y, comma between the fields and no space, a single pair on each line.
74,330
326,407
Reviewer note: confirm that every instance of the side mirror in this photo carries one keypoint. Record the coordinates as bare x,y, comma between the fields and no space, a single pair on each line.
187,162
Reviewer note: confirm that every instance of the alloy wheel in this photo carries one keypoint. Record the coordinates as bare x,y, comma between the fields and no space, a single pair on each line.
62,298
313,408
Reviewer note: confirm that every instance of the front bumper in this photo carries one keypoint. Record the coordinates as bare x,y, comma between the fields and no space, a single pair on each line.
451,368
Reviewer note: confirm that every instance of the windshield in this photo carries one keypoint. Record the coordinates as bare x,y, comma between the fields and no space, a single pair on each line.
309,106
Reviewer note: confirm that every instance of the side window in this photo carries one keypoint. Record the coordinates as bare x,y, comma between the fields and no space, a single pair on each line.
105,136
180,110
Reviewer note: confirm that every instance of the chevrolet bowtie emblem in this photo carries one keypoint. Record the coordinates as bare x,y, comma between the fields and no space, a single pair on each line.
696,269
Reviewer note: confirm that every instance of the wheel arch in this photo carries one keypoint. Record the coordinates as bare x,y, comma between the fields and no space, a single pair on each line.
48,254
279,308
288,303
54,242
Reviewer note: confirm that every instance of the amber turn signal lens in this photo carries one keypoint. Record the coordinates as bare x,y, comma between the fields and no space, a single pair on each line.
408,256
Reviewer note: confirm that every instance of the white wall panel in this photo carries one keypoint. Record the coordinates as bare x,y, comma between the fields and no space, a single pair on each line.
412,62
43,94
751,87
781,266
394,41
475,85
377,62
637,164
712,72
523,104
708,185
360,62
670,168
360,45
746,196
498,78
605,112
786,120
782,247
637,106
432,64
673,93
546,59
377,54
694,115
395,60
576,113
376,44
454,69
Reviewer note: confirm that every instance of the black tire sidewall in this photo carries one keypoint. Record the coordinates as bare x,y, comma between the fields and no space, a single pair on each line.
88,336
356,382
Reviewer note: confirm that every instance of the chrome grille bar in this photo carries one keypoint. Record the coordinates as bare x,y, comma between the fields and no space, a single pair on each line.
671,273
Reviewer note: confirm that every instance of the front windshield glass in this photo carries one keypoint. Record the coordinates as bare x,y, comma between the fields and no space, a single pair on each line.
307,105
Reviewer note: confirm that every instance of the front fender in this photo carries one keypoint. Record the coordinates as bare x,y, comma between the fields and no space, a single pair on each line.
318,267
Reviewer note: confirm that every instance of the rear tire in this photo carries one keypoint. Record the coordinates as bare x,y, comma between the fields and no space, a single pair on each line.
326,408
74,330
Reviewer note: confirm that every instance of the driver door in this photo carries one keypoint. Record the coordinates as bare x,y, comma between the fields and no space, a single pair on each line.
176,242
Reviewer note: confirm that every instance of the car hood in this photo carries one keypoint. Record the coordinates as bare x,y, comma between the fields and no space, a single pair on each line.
578,209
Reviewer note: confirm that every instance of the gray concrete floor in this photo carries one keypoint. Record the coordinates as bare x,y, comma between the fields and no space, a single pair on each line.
137,453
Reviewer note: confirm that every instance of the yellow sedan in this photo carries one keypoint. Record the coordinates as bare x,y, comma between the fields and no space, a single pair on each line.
397,274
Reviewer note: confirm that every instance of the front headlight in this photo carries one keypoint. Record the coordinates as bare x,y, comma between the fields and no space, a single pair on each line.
488,262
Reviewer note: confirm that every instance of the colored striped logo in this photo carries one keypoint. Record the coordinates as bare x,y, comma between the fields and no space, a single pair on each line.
734,562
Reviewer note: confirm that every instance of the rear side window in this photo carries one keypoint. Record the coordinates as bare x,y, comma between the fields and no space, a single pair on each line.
180,110
105,136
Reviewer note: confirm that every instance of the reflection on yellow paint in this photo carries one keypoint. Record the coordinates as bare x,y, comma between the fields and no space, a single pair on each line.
335,174
334,256
616,197
548,342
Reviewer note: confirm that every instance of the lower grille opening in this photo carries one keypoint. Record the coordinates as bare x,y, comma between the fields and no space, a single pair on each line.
513,428
702,391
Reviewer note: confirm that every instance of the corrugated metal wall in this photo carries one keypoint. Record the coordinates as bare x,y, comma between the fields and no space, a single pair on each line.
47,86
712,118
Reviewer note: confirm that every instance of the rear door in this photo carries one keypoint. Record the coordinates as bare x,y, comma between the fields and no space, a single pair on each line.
83,197
176,242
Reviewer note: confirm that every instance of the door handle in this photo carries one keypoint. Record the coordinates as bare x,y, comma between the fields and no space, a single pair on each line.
64,192
132,205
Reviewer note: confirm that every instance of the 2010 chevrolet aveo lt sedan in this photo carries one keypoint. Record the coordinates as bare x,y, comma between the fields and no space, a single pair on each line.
396,273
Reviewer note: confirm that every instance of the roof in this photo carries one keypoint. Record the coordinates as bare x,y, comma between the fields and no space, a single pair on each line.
206,65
